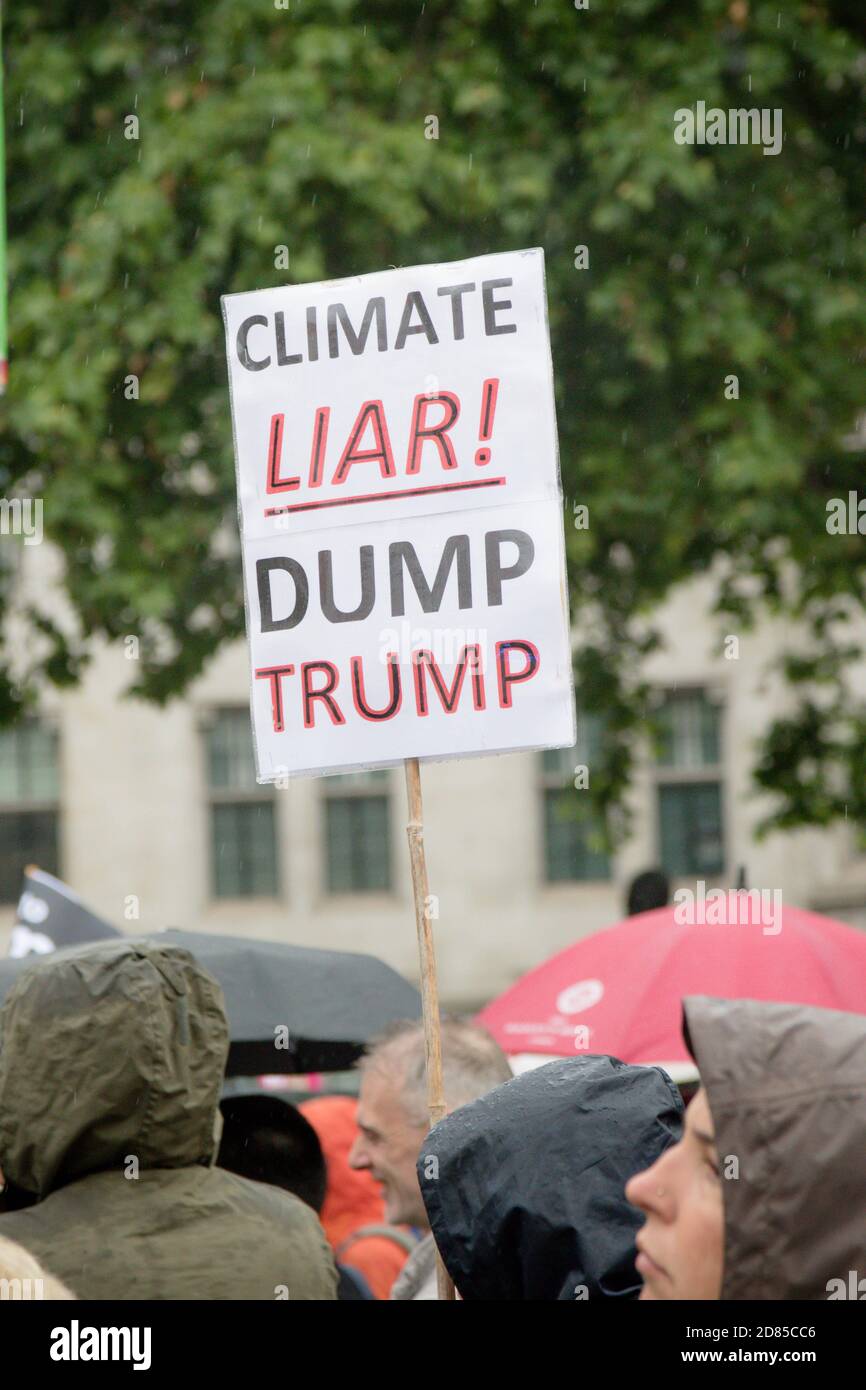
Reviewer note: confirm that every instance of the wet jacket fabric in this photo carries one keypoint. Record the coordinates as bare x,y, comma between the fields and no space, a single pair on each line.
786,1087
111,1062
417,1281
526,1194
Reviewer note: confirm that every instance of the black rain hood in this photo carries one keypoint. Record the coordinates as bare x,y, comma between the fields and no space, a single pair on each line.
526,1198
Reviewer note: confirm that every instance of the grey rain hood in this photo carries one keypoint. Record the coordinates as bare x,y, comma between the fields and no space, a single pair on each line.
786,1086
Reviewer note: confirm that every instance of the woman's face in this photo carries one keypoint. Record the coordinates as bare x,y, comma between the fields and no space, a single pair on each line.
681,1245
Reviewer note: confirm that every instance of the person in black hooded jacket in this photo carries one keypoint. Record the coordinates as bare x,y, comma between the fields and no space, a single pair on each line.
524,1188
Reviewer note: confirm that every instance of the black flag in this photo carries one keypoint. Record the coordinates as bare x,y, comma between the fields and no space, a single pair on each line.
50,916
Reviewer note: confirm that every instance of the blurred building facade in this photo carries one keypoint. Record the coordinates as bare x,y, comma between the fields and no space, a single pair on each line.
155,818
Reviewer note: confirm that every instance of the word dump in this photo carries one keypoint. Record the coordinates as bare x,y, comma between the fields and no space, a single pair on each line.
383,479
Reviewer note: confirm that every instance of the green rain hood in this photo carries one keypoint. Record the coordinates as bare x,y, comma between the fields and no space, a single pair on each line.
112,1058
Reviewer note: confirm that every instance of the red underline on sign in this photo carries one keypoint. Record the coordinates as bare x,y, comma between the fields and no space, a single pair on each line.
383,496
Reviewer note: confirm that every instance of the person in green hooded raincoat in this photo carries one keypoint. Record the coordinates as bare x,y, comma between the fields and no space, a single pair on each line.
112,1058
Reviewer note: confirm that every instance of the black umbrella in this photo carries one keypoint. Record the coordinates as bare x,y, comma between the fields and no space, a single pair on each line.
290,1008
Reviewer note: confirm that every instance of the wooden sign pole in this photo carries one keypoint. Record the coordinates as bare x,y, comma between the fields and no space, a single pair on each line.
429,986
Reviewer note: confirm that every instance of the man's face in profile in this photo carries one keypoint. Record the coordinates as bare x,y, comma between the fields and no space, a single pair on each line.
388,1145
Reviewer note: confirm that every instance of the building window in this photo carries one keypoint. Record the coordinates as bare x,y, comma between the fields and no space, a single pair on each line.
573,835
358,832
689,782
242,814
29,811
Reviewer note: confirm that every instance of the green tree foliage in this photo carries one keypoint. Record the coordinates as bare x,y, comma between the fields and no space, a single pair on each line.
304,126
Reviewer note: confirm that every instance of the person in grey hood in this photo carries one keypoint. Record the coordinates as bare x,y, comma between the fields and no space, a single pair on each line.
524,1187
765,1195
111,1062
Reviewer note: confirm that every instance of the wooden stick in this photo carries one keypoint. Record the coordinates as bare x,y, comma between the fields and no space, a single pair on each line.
429,986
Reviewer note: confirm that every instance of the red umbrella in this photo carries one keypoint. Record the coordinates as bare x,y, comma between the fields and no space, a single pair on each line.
619,991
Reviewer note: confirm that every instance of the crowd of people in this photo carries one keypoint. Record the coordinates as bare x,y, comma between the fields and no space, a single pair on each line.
129,1173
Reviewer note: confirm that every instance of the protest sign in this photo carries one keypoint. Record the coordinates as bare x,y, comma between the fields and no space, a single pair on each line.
401,516
401,523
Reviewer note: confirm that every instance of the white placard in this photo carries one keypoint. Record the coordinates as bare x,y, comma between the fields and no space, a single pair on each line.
401,516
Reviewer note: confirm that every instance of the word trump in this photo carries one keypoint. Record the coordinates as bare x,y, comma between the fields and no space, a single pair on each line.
515,661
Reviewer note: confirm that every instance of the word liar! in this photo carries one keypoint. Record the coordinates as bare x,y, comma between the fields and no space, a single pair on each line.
370,428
